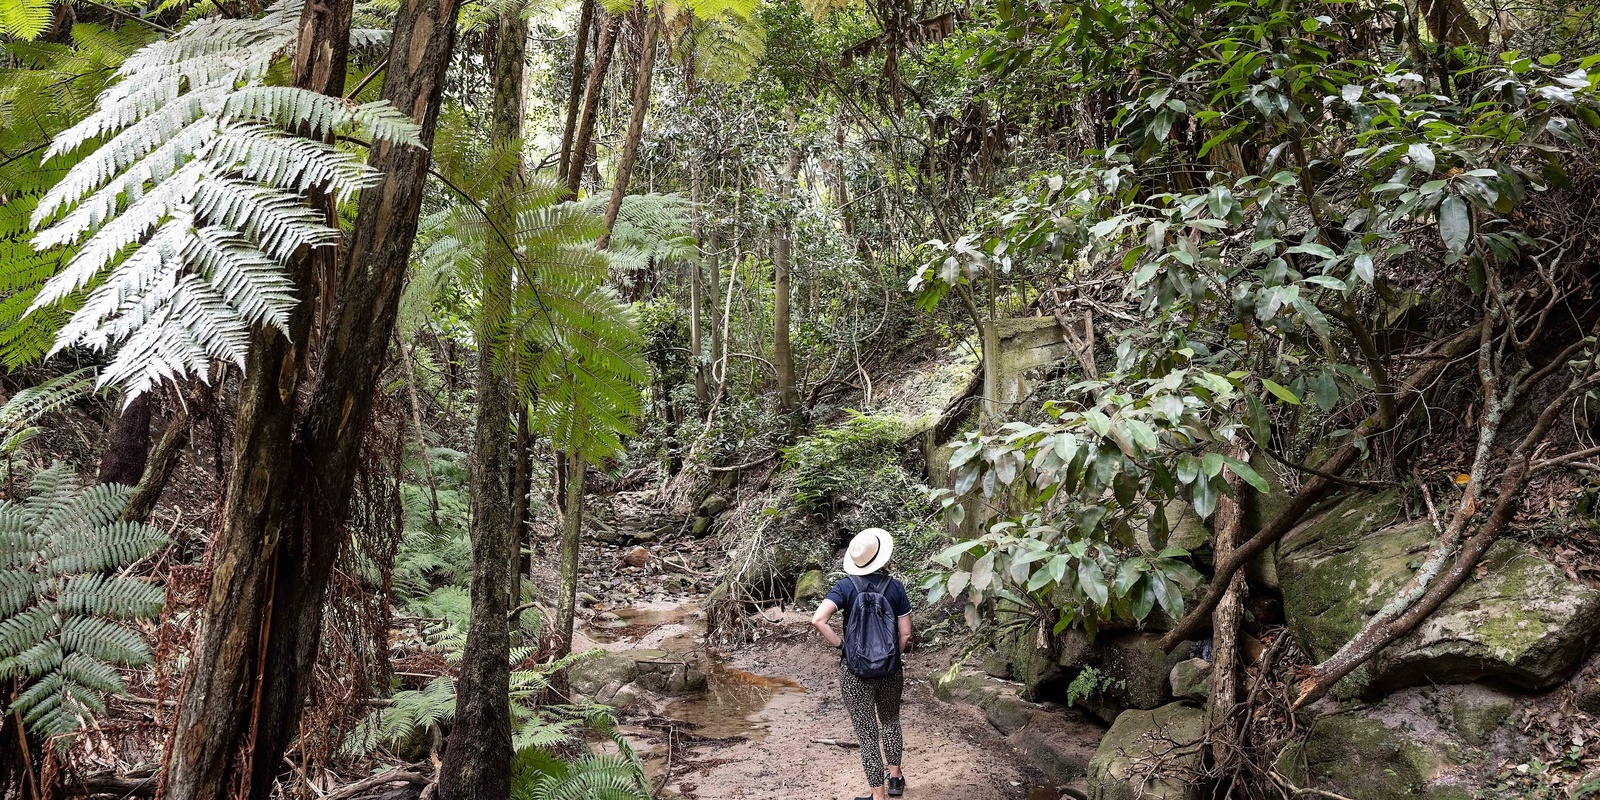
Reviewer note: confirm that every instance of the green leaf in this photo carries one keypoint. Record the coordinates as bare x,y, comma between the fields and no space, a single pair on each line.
1093,581
983,572
1422,156
1248,474
1280,391
1455,223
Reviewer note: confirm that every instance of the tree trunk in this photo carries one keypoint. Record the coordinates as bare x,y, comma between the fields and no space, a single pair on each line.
360,326
575,94
1229,526
168,452
641,107
603,48
697,282
521,487
713,258
571,540
216,705
782,352
477,760
128,446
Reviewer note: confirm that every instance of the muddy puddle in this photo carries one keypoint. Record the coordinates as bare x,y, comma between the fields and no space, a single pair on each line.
732,704
674,627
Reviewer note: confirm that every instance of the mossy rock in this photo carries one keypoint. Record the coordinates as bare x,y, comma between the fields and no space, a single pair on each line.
593,673
1518,619
1185,528
1151,755
1363,758
1191,680
1140,671
812,585
1478,712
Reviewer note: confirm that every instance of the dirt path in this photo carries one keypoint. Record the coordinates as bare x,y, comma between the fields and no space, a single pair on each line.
951,752
752,734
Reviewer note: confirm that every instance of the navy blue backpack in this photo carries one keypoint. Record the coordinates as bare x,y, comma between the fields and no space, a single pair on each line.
871,632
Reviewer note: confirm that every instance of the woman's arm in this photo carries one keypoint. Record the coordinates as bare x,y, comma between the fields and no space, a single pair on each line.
905,632
820,619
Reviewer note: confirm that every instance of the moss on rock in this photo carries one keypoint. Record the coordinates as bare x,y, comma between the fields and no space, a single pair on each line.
1519,619
1361,757
1151,755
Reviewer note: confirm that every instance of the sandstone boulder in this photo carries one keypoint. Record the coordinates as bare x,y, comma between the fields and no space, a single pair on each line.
1518,619
1151,755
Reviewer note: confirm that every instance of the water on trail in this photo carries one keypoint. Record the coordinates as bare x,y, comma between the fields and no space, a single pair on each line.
771,723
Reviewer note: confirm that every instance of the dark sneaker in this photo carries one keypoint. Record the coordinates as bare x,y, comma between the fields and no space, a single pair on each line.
897,786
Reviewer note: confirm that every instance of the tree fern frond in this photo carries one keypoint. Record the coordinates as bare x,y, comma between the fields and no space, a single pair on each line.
111,596
25,19
105,641
28,406
192,197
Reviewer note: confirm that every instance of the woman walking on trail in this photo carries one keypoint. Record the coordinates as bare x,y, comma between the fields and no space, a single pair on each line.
877,627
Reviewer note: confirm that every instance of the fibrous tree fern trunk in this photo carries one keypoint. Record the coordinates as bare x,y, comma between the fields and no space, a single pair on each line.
289,492
604,47
641,107
217,701
477,761
128,446
360,325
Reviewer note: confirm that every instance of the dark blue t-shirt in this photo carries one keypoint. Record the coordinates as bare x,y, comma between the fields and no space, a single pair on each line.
844,593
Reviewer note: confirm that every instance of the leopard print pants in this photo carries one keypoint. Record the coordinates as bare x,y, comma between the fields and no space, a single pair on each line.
874,705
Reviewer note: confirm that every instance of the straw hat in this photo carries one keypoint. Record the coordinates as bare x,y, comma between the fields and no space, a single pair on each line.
868,552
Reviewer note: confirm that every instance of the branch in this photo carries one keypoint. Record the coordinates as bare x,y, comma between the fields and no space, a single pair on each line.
747,464
1454,347
399,775
1429,589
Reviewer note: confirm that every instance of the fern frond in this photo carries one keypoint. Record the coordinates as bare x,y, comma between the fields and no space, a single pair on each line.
191,200
105,641
28,406
25,19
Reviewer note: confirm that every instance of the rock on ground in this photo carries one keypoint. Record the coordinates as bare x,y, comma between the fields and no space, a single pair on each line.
1517,619
1151,755
1191,680
812,585
1362,756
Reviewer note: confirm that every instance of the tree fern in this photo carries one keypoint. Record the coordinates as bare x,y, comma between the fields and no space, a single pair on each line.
23,412
727,47
47,88
62,607
25,19
567,340
184,212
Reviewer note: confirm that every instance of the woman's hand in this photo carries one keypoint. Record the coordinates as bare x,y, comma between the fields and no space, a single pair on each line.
820,619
